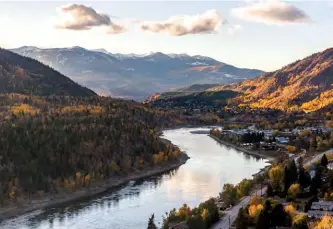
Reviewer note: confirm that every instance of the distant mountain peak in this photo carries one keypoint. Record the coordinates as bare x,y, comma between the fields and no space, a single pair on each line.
136,76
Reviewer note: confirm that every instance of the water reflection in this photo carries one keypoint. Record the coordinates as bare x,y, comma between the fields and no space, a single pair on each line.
129,206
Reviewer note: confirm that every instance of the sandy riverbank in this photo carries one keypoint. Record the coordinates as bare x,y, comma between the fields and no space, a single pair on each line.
95,189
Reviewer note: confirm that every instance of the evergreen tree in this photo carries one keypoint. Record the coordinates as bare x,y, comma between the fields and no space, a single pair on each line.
263,221
278,215
324,161
292,171
151,223
241,220
269,191
286,179
196,222
304,178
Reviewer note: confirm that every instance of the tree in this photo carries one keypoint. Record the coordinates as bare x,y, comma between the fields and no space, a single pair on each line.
278,215
286,179
242,219
276,175
292,171
196,222
324,160
269,191
263,220
291,149
300,221
151,223
229,194
243,188
290,209
304,178
325,223
294,190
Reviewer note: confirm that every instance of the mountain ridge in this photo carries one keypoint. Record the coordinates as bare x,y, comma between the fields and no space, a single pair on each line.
304,85
132,76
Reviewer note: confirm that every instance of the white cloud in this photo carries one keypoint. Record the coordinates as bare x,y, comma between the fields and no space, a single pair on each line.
208,22
116,29
81,17
234,28
271,12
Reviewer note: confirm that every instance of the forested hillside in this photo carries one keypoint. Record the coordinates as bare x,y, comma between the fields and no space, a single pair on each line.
193,100
24,75
58,143
303,85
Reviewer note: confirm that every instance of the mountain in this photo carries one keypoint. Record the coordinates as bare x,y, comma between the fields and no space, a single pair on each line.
134,76
305,85
24,75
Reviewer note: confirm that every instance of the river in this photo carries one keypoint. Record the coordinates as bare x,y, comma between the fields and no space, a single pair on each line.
129,206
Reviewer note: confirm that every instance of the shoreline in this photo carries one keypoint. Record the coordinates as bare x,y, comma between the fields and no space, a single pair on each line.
96,189
246,151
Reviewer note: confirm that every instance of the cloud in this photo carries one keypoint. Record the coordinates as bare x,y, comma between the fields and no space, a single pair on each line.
208,22
271,12
81,17
234,28
116,29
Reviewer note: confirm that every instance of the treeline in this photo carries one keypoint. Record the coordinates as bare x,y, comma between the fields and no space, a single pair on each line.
57,143
201,217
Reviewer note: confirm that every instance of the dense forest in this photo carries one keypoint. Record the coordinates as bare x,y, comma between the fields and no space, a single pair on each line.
194,100
24,75
60,143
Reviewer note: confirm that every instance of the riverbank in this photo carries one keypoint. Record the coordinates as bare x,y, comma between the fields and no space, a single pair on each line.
96,189
257,154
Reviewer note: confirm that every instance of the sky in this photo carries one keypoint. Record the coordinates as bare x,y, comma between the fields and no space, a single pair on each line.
252,34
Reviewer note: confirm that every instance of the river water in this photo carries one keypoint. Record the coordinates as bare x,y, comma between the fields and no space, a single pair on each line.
129,207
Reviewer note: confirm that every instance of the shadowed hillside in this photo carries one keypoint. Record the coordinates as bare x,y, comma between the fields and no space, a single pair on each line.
24,75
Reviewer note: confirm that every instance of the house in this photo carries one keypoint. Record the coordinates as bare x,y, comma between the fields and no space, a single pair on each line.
282,140
320,209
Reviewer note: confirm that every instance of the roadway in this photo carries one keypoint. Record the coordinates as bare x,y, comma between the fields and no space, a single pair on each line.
231,214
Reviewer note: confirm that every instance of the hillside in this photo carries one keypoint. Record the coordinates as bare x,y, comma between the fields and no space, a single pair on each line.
133,76
57,144
305,84
24,75
193,100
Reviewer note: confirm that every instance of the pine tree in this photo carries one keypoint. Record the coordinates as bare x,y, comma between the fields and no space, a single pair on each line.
151,223
269,191
292,171
263,221
286,179
324,161
241,220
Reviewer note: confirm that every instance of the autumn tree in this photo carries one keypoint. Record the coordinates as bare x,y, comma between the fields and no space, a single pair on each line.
276,175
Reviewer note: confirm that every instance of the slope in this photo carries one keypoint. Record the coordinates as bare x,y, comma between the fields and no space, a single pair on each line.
24,75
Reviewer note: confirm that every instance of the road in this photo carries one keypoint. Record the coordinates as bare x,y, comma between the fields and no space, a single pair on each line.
231,215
